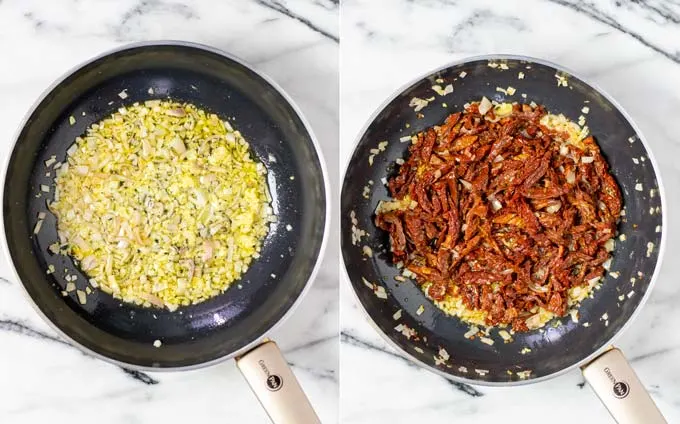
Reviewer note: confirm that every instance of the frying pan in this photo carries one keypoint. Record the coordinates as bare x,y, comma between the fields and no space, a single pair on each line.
233,324
563,344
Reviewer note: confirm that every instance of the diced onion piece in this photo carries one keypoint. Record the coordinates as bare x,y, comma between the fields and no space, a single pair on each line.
82,297
609,245
178,145
496,205
523,375
471,332
88,263
587,159
418,104
176,112
554,206
505,335
650,249
503,110
486,340
533,321
465,184
71,150
82,170
538,289
484,106
38,226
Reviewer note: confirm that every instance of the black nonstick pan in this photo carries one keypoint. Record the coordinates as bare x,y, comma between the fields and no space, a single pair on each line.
232,324
563,344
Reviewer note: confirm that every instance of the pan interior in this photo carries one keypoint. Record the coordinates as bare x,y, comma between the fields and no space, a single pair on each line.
562,343
215,328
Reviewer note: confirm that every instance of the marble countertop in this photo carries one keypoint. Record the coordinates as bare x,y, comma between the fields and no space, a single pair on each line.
632,50
43,379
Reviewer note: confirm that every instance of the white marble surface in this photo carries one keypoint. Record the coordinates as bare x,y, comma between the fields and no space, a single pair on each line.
296,42
633,51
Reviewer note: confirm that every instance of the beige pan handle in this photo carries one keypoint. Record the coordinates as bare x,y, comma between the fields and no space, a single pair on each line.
275,386
615,383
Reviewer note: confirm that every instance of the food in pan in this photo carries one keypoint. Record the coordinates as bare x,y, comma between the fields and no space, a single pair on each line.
161,204
504,214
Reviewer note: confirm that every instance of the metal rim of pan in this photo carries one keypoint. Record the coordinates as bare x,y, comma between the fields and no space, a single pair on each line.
317,149
662,245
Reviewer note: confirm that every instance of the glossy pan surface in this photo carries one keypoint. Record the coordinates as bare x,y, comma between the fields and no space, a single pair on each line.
215,329
562,344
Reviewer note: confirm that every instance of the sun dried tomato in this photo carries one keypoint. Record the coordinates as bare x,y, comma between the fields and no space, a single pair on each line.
509,215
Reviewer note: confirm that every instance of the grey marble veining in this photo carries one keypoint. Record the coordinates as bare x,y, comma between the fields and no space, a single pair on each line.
629,48
43,378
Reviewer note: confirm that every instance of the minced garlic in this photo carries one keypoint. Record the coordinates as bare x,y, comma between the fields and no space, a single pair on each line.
162,204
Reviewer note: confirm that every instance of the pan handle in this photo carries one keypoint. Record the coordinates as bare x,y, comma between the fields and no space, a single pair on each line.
618,387
275,386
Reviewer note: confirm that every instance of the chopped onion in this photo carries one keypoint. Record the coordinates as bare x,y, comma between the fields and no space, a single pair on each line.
38,226
152,299
88,263
495,203
593,281
571,177
484,106
587,159
486,340
465,184
554,206
533,321
178,112
537,288
609,245
208,249
178,145
471,332
146,148
82,170
505,335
